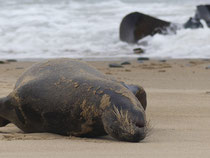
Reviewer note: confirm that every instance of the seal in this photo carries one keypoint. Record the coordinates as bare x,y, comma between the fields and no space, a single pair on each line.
69,97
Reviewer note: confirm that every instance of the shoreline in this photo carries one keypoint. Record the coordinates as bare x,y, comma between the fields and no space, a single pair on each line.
101,59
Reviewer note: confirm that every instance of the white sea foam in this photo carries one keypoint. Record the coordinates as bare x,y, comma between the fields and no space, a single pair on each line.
89,28
185,44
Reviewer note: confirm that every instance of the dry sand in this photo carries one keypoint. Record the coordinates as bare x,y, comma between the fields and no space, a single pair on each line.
178,110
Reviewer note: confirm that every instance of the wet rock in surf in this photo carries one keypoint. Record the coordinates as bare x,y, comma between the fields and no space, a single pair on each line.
203,12
135,26
193,23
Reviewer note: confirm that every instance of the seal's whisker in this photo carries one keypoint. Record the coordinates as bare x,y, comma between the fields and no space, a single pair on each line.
117,113
126,117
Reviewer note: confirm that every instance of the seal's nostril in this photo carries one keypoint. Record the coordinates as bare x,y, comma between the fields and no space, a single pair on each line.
138,124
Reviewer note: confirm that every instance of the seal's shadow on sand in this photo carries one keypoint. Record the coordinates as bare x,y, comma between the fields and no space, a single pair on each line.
11,132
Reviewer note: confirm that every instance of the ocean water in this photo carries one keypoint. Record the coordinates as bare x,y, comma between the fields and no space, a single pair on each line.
90,29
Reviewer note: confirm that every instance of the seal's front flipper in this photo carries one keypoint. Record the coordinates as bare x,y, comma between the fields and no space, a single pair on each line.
140,94
3,122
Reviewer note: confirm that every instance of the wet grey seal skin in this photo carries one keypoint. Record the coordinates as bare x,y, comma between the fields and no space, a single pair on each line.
68,97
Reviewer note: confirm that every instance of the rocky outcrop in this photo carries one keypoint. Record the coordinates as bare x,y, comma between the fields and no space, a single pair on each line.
135,26
202,13
193,23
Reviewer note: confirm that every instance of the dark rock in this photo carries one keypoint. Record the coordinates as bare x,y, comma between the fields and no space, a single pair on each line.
203,12
2,62
162,71
125,63
115,65
11,60
142,58
207,67
206,59
135,26
193,23
162,61
138,51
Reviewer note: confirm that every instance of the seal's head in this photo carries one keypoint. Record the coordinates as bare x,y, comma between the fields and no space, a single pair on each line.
125,120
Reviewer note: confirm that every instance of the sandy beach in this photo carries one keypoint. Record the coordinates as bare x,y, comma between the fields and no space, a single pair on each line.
178,112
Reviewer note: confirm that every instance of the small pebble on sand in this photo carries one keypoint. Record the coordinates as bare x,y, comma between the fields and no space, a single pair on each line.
138,51
115,65
142,58
125,63
207,67
11,60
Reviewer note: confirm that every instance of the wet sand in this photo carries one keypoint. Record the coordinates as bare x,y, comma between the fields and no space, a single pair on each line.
178,111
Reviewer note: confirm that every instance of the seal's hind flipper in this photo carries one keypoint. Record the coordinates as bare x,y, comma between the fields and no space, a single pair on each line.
3,122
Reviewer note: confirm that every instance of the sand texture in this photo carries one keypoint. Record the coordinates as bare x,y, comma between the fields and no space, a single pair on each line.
178,112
